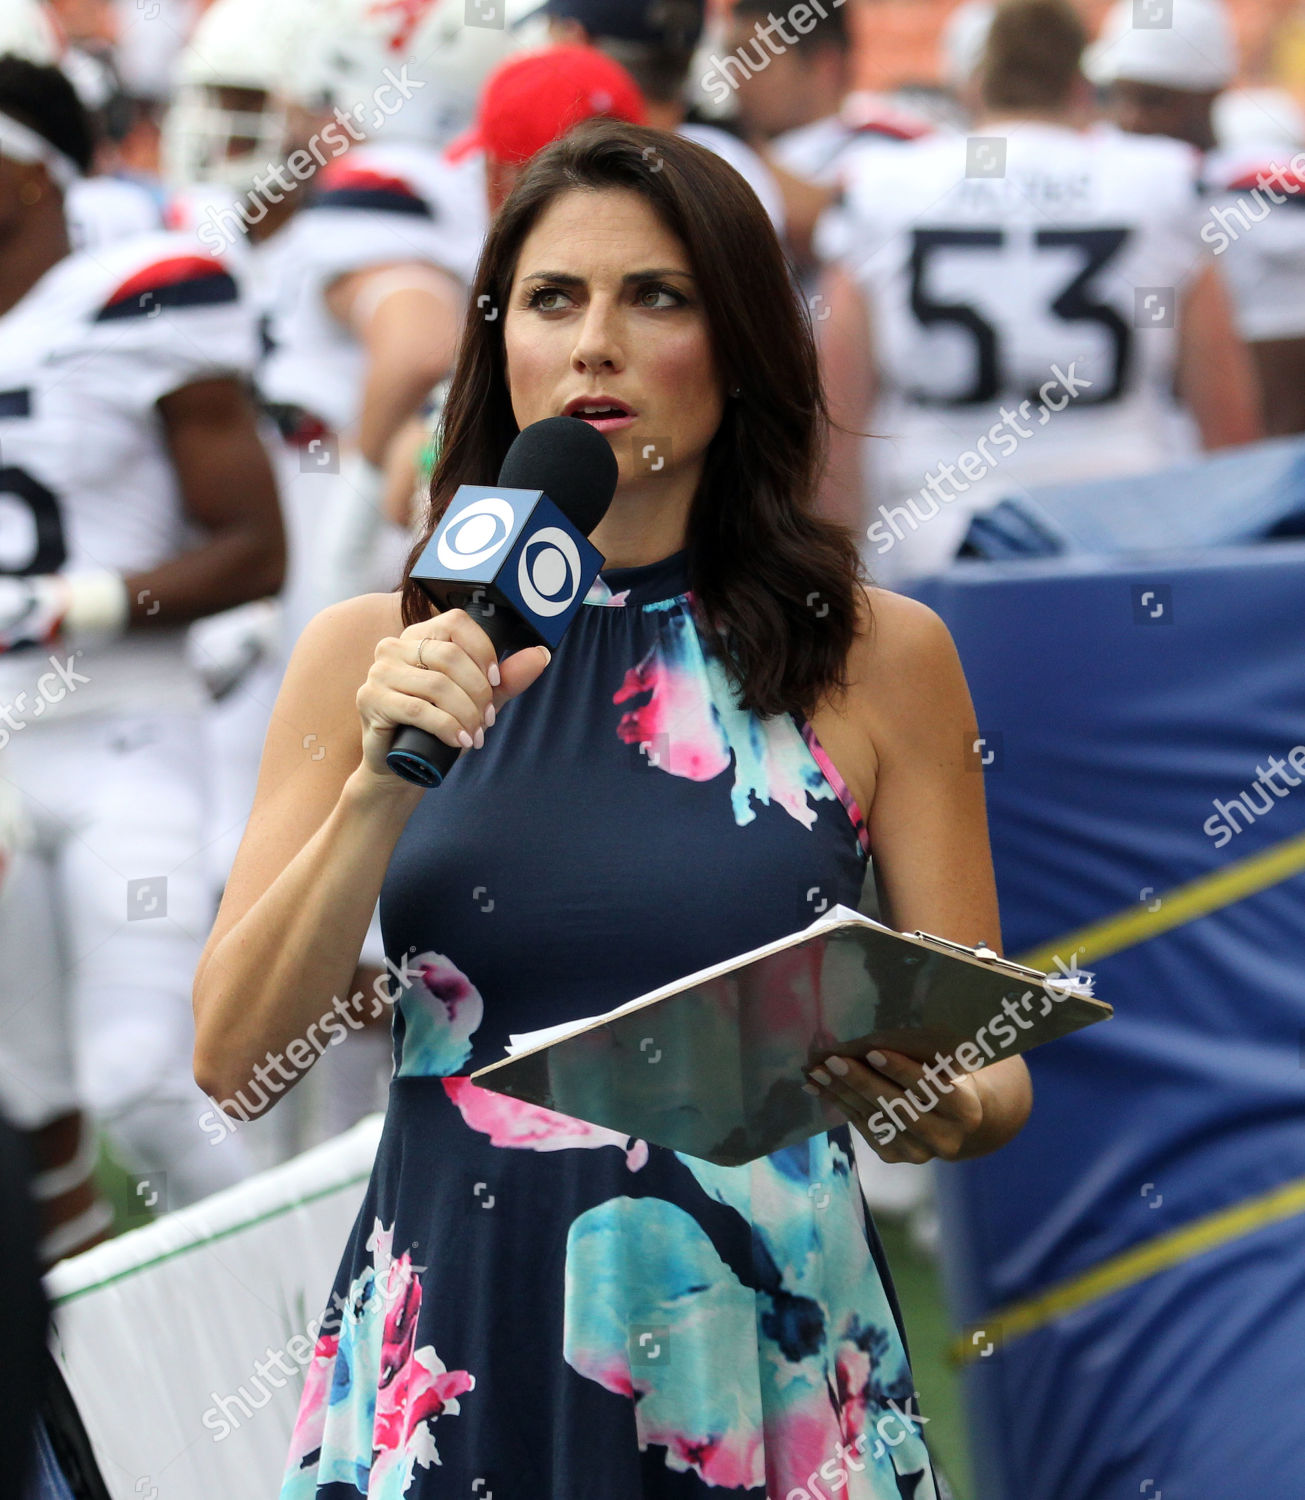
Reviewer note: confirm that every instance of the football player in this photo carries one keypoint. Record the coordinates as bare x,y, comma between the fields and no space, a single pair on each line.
795,96
135,497
656,45
1168,81
1018,306
322,125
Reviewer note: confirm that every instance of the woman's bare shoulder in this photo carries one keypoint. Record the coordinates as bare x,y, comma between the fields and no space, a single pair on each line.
332,657
342,638
904,672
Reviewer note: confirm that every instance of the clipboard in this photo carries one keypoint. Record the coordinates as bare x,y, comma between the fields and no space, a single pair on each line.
710,1064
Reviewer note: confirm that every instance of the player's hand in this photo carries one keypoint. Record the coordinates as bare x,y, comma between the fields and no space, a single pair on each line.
32,611
936,1120
439,676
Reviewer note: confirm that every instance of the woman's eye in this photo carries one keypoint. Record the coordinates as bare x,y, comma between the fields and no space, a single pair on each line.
671,298
537,298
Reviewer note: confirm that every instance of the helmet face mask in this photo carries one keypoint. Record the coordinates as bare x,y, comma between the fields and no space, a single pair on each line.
224,135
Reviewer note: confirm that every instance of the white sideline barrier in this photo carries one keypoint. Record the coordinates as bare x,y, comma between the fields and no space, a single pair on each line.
154,1327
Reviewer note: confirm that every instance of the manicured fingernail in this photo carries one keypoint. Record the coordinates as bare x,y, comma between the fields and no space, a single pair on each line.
820,1076
875,1059
491,713
465,739
479,740
494,675
810,1088
836,1065
548,655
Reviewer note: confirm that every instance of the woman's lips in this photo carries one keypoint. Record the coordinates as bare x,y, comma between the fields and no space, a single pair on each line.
607,424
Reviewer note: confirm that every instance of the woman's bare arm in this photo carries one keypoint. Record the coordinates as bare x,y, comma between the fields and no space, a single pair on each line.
327,814
932,865
309,868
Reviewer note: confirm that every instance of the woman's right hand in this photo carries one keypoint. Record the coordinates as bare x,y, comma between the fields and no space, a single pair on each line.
453,689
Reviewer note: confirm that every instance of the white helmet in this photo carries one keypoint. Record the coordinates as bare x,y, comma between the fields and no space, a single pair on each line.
28,30
1255,118
238,44
348,51
1194,50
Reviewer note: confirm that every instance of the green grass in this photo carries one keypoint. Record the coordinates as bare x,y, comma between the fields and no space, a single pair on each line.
919,1290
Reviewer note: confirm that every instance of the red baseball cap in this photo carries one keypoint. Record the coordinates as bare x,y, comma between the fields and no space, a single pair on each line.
534,98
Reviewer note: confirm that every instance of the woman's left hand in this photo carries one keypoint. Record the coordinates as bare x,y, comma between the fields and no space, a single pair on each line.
942,1114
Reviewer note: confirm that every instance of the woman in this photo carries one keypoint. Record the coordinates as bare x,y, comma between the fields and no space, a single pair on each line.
540,1307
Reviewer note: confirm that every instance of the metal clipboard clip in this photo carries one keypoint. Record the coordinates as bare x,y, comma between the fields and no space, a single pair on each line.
982,952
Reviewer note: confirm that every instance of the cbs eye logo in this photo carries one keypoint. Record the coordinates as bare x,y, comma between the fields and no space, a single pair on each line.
548,574
476,534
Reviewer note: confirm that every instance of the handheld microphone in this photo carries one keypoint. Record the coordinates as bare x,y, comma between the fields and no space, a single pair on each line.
516,557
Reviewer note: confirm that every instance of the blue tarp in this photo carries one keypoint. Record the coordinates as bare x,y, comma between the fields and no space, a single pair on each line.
1229,497
1115,728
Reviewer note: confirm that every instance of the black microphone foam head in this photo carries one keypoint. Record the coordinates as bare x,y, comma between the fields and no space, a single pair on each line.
571,462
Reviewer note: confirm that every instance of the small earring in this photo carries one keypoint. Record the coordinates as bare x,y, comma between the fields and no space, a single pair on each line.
736,391
30,194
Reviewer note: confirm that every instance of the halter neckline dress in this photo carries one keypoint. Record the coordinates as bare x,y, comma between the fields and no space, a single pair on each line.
530,1306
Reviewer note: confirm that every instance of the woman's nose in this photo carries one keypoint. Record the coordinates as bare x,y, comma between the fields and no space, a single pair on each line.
598,344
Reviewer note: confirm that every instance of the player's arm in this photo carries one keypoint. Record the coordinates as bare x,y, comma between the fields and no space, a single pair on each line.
227,488
403,465
932,865
1215,378
842,324
407,316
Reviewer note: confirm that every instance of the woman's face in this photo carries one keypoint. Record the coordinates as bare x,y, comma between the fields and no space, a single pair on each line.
604,308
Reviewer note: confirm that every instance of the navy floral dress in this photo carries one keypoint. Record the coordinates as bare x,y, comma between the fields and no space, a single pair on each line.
530,1306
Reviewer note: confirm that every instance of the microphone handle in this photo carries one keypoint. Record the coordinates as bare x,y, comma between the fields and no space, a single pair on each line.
421,757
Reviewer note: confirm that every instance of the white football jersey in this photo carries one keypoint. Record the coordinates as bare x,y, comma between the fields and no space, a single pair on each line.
374,206
823,150
103,210
1259,245
746,162
85,477
1023,286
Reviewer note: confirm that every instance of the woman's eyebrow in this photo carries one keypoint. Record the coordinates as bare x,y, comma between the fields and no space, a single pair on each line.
565,278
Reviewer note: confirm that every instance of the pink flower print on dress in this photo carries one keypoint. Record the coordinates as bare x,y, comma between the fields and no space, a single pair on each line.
692,727
513,1122
600,593
377,1445
441,1010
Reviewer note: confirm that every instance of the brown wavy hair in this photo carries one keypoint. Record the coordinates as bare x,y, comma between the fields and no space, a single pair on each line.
777,588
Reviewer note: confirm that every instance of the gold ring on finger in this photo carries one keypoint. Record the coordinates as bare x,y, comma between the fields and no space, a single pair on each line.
421,646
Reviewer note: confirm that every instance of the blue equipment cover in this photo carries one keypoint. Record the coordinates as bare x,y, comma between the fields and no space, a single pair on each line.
1118,700
1234,496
